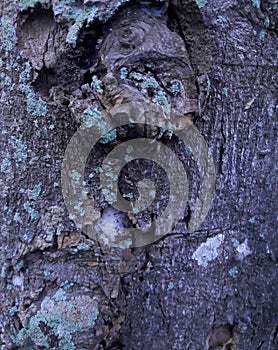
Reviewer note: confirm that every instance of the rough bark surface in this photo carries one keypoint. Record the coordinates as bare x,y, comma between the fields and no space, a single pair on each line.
215,288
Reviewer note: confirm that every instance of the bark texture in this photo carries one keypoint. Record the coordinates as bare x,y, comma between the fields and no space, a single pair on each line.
216,62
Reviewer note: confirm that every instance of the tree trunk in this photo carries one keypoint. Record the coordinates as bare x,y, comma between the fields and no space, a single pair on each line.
68,281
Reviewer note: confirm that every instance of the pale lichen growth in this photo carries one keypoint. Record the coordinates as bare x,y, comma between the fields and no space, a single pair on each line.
256,3
233,271
64,315
243,249
208,251
35,106
201,3
97,85
26,4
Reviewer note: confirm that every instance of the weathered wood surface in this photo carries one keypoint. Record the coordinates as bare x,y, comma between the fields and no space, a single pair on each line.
217,286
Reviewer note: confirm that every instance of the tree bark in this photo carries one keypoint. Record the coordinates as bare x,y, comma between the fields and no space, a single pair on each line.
214,288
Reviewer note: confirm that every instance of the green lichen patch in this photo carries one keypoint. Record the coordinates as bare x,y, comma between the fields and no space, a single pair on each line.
233,271
175,88
125,244
97,85
124,73
30,209
17,218
78,207
83,247
147,83
6,162
110,196
221,19
93,117
35,106
256,3
26,4
201,3
225,91
20,149
52,222
87,117
59,318
76,176
170,286
76,15
161,100
36,191
79,16
262,34
150,83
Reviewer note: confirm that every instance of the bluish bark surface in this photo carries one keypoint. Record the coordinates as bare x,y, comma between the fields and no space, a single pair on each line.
215,288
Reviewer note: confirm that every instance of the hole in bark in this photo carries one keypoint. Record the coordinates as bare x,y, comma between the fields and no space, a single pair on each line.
75,68
88,44
146,295
45,81
138,170
220,336
260,345
275,333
